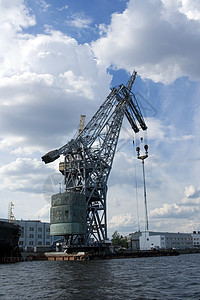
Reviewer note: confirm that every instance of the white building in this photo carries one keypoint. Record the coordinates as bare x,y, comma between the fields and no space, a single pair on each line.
165,240
196,238
35,233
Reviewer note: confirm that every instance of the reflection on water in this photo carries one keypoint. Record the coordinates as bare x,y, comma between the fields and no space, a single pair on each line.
175,277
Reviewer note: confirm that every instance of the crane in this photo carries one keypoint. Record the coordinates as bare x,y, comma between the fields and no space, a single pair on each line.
11,217
79,213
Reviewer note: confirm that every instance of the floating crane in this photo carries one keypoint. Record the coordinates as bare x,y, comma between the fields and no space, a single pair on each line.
79,213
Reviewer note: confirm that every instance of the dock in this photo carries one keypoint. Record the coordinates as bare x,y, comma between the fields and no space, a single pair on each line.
86,256
81,256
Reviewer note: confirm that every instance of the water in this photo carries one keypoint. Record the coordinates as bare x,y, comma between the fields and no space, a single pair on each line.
175,277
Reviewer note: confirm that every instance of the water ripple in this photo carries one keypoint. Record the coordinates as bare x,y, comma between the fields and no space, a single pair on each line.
138,278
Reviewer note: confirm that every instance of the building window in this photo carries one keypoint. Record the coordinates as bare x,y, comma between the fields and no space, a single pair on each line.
39,236
81,214
31,228
66,214
40,229
31,236
47,236
31,243
147,239
47,243
47,229
39,243
21,243
58,215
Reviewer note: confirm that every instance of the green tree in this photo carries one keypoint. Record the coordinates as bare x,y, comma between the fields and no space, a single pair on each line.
118,240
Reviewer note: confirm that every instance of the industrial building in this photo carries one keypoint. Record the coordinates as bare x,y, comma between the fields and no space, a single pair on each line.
35,233
133,240
165,240
147,240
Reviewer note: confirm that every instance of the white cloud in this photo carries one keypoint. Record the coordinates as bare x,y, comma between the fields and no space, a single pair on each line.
14,16
173,211
154,38
78,84
52,184
24,174
79,22
189,191
6,143
52,72
121,220
191,9
190,202
63,8
181,216
123,168
43,213
46,82
158,130
44,5
192,196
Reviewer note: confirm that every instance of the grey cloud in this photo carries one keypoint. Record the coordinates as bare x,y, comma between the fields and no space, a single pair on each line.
24,174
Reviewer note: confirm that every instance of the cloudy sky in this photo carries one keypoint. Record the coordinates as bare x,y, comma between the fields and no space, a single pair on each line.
59,59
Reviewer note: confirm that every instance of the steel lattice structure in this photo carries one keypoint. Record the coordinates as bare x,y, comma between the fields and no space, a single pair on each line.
88,158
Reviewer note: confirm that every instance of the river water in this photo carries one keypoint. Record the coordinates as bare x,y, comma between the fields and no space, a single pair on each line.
174,277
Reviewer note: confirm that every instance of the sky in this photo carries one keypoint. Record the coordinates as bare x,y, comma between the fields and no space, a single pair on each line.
58,60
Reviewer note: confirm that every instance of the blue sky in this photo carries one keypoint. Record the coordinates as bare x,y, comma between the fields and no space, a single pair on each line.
79,19
59,59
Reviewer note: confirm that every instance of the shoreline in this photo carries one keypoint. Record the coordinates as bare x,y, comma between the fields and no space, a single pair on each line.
81,256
